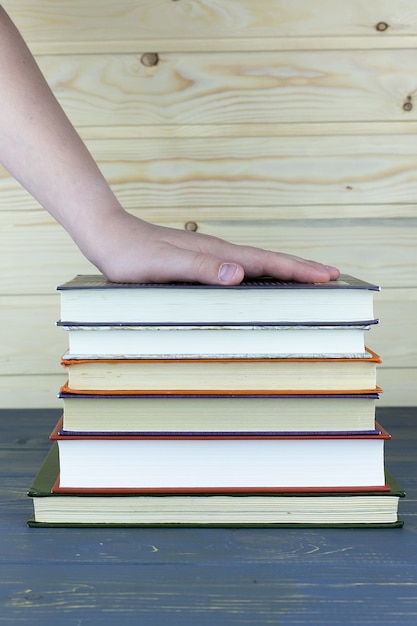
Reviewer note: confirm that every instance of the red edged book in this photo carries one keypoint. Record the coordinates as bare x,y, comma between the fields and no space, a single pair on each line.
221,463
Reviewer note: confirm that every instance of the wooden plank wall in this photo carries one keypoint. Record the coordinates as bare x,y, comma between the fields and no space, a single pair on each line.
289,125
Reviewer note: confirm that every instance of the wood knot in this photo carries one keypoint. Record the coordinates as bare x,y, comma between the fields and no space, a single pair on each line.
149,59
381,26
408,104
192,226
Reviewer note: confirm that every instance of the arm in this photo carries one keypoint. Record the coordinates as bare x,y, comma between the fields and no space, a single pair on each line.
41,149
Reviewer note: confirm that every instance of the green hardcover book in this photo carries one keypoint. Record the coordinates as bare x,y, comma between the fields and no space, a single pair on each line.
307,508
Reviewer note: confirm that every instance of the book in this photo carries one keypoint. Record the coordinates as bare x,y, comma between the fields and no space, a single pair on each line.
316,509
215,413
244,341
194,375
227,462
92,299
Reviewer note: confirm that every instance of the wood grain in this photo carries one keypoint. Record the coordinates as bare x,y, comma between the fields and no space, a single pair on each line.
235,88
38,254
244,171
78,21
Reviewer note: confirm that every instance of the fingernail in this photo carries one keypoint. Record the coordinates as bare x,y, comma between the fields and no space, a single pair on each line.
227,271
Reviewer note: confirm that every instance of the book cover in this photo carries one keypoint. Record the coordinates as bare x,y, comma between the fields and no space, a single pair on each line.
66,389
315,509
98,281
150,461
95,299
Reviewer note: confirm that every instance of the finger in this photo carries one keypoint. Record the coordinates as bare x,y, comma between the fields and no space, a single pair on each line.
257,262
288,267
178,264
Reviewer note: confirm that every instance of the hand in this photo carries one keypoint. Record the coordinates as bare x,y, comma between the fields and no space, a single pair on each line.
130,250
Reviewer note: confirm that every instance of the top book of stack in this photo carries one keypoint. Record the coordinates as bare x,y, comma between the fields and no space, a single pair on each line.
95,301
97,313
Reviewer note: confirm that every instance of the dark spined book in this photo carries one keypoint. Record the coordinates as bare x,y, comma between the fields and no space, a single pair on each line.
95,300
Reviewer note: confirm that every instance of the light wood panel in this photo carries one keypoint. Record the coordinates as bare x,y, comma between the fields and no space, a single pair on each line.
101,20
244,171
38,254
30,342
395,337
222,88
31,391
285,125
399,385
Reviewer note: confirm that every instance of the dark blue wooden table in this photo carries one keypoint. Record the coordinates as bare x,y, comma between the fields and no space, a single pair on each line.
180,577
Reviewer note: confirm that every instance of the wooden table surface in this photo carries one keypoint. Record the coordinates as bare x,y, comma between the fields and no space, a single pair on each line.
179,577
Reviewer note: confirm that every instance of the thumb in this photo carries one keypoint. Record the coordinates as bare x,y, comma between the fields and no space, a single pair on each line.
210,270
230,274
188,265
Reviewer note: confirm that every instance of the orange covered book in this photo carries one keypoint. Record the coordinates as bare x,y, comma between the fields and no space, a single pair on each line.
341,375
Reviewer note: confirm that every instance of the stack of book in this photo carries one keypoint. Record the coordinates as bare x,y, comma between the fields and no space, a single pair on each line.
199,405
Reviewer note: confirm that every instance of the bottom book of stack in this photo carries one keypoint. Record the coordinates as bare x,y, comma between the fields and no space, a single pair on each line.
54,505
